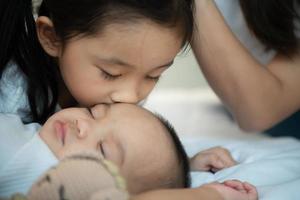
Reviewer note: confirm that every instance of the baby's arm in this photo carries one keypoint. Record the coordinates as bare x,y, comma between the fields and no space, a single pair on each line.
179,194
229,190
213,159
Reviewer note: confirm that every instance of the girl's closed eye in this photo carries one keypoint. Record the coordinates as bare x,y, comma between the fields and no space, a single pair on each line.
154,78
108,76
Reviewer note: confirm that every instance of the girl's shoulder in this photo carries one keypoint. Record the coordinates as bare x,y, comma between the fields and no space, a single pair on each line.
13,91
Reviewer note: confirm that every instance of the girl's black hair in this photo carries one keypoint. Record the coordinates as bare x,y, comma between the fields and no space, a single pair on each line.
88,17
19,41
273,23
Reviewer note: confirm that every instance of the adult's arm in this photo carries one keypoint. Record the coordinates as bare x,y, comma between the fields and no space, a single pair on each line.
258,96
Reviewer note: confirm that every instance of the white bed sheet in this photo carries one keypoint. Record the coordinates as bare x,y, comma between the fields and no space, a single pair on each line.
272,165
196,112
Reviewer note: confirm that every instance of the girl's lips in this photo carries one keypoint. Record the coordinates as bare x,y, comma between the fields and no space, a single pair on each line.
60,130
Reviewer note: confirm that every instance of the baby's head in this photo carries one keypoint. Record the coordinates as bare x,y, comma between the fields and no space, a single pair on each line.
142,145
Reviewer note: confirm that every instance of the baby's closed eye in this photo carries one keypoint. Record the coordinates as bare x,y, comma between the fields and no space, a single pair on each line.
112,151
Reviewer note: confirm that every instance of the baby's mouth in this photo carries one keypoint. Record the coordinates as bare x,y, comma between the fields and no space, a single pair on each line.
60,131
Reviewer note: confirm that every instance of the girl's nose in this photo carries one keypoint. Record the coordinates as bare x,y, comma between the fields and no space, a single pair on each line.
99,111
125,96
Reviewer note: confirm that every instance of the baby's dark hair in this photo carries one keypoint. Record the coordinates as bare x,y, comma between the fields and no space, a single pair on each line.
19,41
183,180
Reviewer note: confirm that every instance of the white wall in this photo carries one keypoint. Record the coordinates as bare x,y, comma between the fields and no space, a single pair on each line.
184,73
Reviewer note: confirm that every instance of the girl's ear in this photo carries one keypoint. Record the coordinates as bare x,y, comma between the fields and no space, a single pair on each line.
47,36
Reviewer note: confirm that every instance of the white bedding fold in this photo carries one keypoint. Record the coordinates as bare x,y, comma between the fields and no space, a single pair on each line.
272,165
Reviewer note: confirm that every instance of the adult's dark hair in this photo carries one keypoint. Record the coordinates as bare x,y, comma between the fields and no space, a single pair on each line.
183,180
19,42
272,22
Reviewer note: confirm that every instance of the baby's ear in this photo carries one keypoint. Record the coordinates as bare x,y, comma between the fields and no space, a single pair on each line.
48,37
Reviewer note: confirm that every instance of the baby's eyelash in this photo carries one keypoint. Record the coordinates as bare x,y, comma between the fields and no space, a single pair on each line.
101,149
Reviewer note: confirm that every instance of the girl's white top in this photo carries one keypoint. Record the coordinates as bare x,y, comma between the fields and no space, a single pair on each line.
13,97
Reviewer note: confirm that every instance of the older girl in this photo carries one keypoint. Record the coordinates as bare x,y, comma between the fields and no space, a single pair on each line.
86,52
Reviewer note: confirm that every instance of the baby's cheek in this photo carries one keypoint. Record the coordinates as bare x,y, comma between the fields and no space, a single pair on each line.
72,149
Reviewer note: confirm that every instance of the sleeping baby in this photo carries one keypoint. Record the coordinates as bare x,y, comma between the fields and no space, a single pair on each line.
143,147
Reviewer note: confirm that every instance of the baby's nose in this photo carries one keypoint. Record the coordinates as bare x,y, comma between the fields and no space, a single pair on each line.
83,127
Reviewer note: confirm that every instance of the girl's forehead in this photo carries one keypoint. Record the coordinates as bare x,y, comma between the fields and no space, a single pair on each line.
143,45
141,29
148,39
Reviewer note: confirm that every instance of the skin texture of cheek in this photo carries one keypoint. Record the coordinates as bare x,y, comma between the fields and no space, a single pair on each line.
90,93
84,85
49,137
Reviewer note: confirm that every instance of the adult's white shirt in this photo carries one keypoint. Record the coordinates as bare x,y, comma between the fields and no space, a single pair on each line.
234,17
